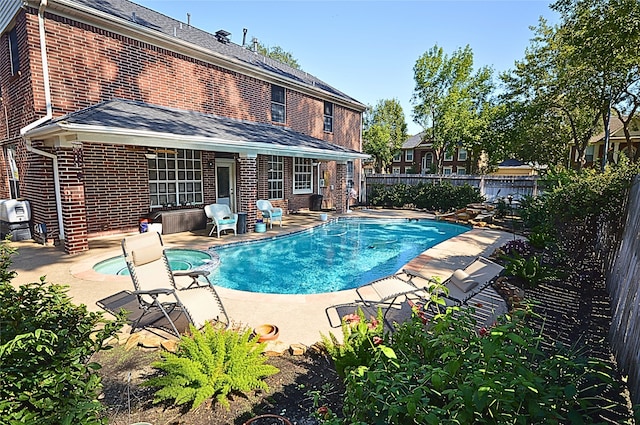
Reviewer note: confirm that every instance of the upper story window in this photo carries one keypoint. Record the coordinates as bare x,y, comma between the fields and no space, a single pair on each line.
397,157
14,56
175,178
302,175
408,155
275,177
328,116
448,156
462,154
277,104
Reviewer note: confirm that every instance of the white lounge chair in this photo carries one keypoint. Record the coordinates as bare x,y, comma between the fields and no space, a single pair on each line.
269,212
221,217
160,291
464,283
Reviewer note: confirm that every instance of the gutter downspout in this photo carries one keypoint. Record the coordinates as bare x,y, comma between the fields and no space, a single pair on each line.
47,117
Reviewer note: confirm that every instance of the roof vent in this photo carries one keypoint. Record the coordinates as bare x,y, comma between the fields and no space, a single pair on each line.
223,36
133,16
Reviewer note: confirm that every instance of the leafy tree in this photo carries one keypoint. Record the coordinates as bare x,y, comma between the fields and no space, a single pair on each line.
575,71
452,102
277,53
385,130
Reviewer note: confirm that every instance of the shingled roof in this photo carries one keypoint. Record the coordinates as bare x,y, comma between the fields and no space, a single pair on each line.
145,124
156,21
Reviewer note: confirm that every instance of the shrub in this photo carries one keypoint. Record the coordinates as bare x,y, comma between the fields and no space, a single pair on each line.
45,346
439,196
529,270
211,362
448,373
359,340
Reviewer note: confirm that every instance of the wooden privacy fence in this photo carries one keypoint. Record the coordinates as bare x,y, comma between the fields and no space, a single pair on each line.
623,283
491,187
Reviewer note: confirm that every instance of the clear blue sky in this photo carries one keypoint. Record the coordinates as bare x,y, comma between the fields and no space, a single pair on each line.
367,49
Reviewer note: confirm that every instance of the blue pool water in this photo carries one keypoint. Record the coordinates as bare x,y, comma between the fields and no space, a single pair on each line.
179,259
333,257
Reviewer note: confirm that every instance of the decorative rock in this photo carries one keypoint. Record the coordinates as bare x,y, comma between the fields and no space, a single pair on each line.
151,342
132,341
171,345
275,348
297,349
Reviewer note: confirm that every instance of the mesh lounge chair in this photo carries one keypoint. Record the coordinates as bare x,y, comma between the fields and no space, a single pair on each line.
269,212
159,290
221,217
464,283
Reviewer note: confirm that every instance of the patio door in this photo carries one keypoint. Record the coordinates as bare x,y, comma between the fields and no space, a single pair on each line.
226,182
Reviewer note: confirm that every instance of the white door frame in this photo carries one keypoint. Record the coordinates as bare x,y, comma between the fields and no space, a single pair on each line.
231,165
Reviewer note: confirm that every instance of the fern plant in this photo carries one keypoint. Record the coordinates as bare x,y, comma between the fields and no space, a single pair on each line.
211,362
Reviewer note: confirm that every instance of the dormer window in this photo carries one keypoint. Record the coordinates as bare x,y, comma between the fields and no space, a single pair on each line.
277,104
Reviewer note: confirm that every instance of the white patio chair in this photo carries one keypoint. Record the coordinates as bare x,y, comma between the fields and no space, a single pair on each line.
221,217
269,212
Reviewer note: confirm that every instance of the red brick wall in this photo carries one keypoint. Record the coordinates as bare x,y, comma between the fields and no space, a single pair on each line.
88,65
116,185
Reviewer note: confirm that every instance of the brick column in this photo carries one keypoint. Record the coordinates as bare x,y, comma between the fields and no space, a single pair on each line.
248,188
74,210
340,194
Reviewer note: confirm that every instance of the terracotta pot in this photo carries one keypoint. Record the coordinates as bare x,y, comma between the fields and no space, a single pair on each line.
266,332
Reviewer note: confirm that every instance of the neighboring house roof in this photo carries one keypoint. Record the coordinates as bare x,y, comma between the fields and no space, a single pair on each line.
413,141
512,163
615,125
137,16
137,123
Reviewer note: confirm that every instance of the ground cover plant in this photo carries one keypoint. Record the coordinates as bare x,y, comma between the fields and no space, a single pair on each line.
450,373
211,362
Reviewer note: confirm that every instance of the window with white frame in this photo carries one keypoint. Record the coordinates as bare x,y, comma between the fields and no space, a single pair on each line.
448,156
14,56
447,171
302,176
275,177
462,154
277,104
395,170
588,153
175,178
328,117
14,177
350,173
408,155
461,170
397,157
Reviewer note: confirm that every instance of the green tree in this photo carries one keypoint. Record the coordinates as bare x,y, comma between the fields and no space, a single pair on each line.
385,130
452,103
574,72
276,53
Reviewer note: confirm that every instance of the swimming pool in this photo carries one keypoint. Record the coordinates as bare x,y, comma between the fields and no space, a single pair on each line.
179,259
339,255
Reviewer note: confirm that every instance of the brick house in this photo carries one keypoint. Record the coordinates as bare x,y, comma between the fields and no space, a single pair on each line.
418,157
112,110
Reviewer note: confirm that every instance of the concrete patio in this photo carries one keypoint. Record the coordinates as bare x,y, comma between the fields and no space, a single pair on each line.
300,318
